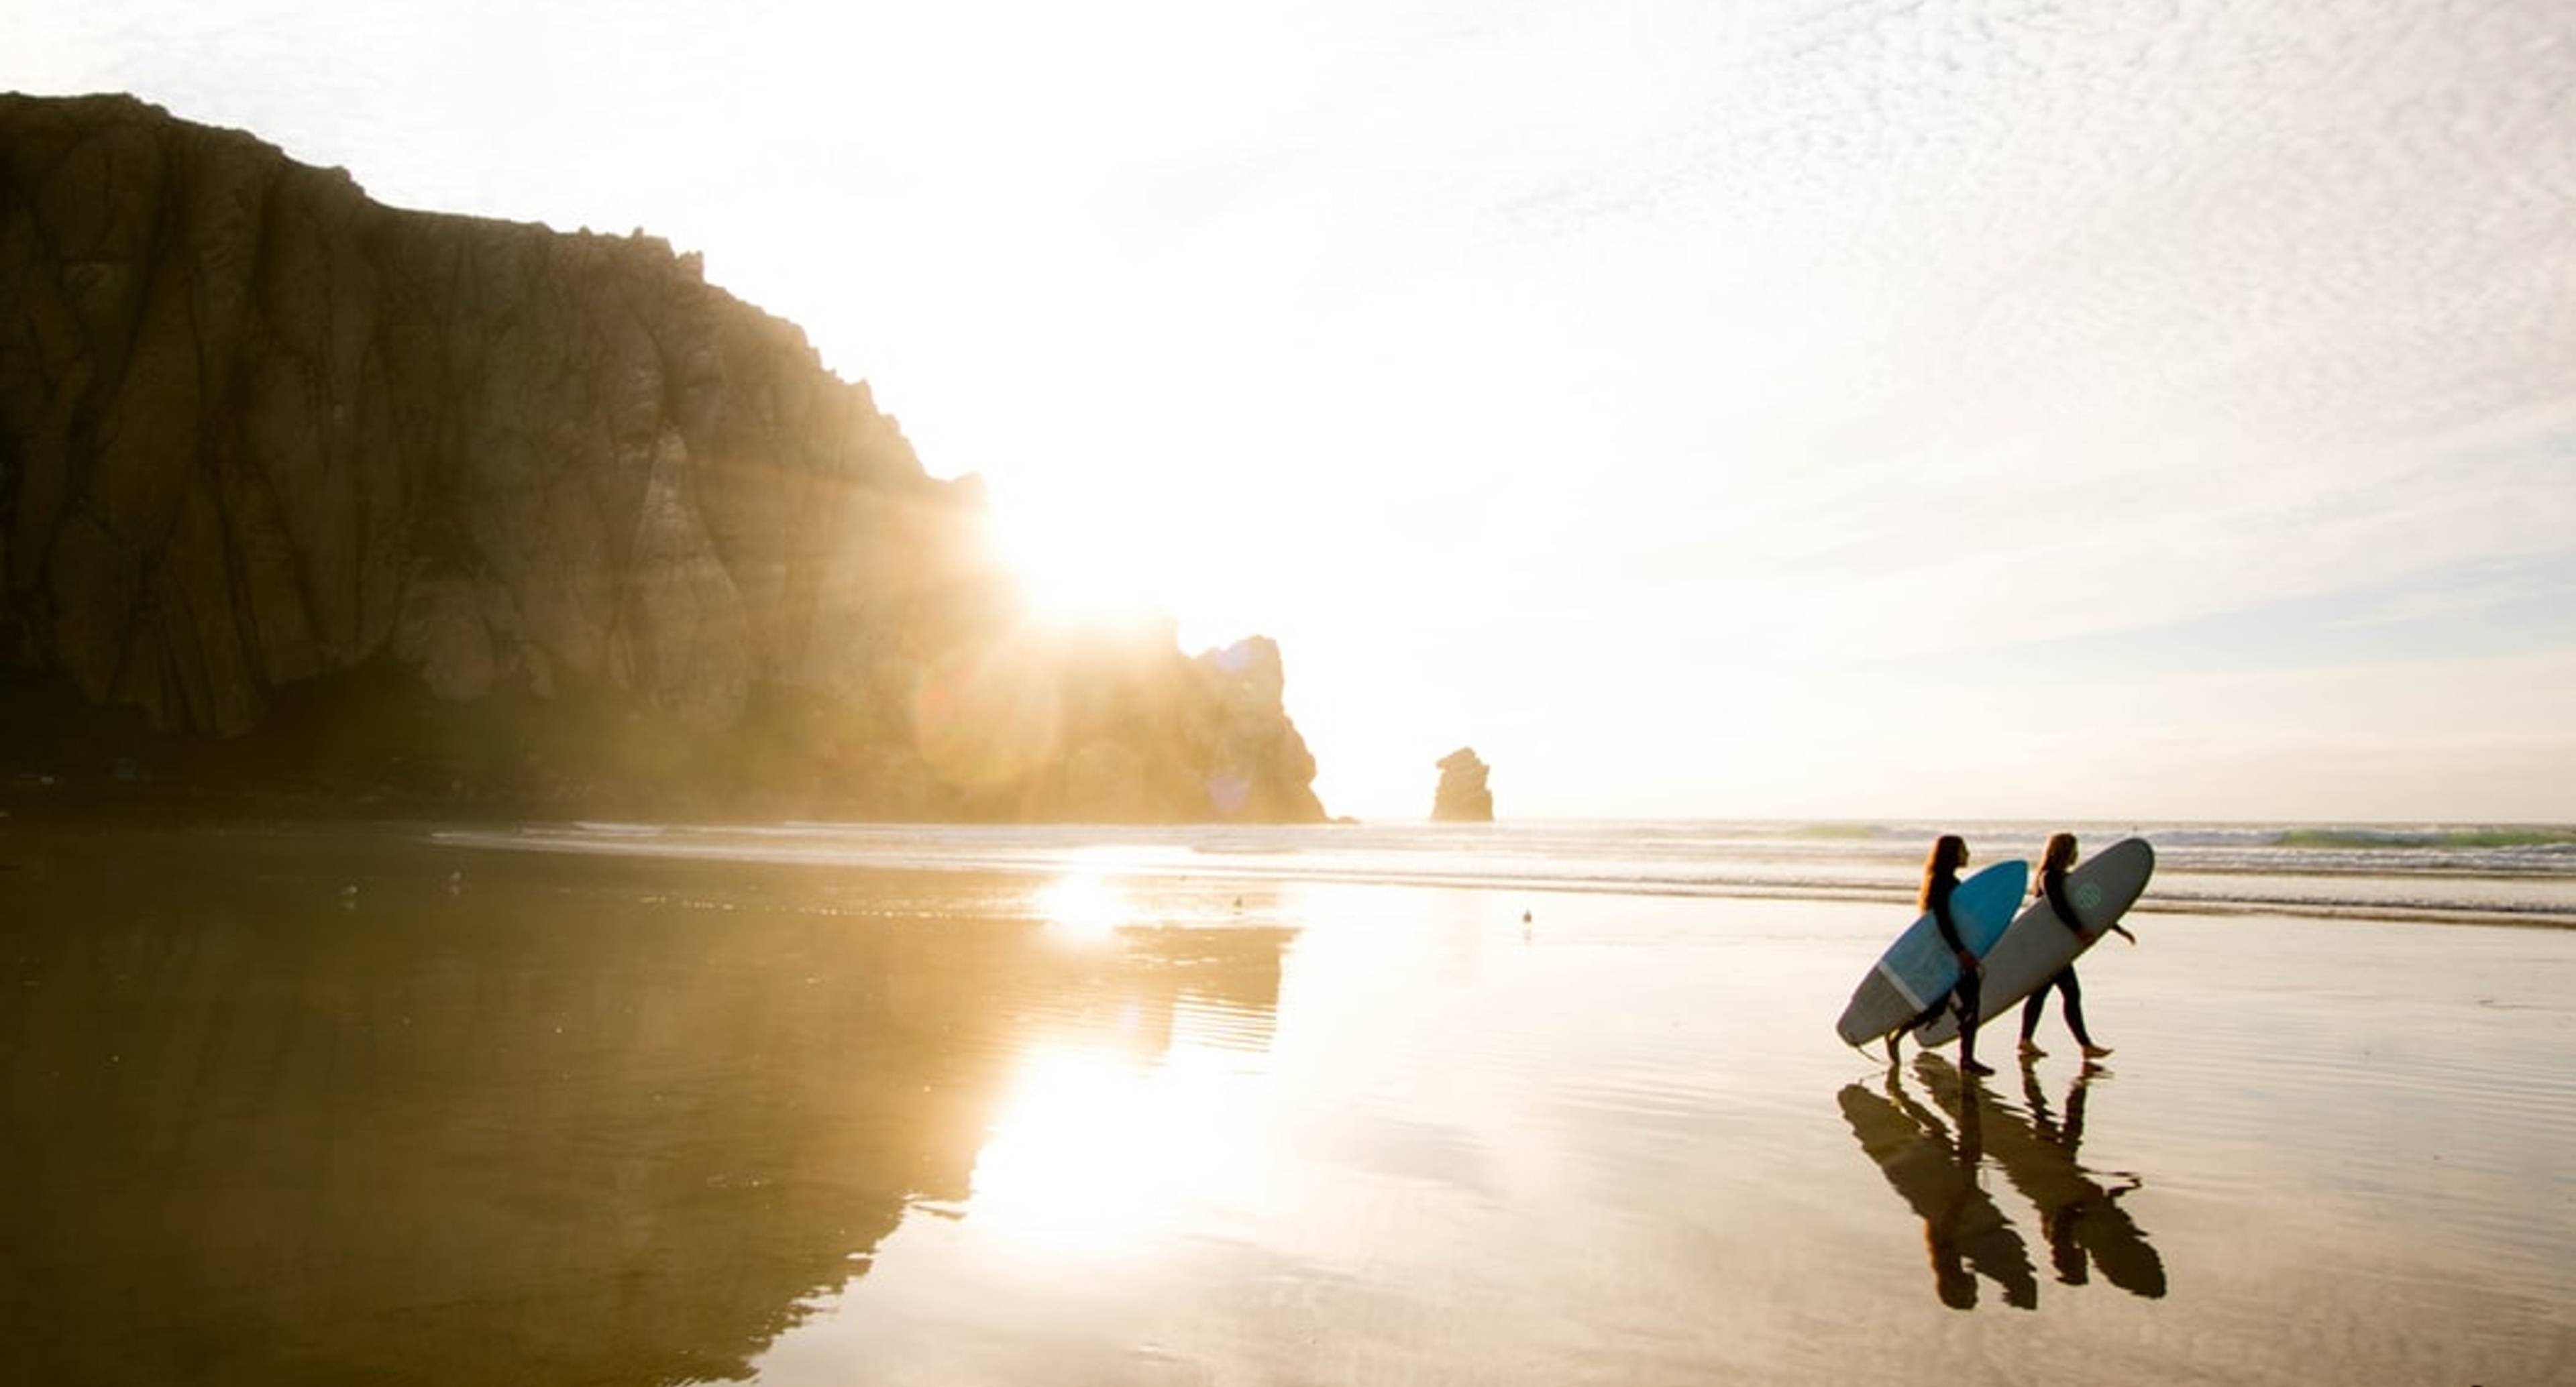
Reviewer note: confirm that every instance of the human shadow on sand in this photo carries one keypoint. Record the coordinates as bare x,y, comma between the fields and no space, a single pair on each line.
2079,1209
1930,1152
1935,1169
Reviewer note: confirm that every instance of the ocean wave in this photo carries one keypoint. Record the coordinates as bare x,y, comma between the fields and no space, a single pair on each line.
2366,839
1836,831
2416,883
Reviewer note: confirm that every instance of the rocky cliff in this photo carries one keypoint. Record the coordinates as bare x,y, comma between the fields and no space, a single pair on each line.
328,495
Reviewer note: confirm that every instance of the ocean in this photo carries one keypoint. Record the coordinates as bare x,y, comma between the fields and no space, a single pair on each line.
2476,874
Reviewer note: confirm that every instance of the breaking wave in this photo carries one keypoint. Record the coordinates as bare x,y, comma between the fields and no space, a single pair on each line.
2511,875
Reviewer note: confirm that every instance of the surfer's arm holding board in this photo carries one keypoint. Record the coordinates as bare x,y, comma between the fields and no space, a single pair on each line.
1937,899
2053,885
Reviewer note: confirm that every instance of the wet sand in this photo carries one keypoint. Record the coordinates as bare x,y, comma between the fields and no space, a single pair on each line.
302,1106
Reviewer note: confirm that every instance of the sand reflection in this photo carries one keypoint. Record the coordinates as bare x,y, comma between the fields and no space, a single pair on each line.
1932,1151
1089,1148
569,1123
1123,1114
1083,905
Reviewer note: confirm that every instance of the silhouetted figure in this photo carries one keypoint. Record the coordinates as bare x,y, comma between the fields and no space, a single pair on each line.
2051,886
2079,1215
1964,1234
1940,883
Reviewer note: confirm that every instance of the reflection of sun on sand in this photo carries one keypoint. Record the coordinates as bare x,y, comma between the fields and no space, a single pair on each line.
1134,1114
1090,1147
1082,905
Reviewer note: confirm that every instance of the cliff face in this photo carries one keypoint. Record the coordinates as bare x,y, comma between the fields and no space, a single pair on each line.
576,523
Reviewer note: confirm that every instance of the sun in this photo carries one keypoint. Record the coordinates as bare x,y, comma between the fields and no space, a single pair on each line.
1080,565
1116,564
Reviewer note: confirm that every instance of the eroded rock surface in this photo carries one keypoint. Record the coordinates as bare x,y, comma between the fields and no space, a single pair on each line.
260,436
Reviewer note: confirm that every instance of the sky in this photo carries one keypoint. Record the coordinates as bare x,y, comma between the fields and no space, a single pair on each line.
2105,410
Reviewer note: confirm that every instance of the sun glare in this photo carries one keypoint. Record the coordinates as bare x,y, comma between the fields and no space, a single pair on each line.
1090,1146
1163,571
1083,905
1077,569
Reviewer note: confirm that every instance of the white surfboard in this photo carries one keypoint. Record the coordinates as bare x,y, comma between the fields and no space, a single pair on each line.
2036,944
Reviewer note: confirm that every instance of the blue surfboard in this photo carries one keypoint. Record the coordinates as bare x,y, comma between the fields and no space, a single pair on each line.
2037,944
1917,969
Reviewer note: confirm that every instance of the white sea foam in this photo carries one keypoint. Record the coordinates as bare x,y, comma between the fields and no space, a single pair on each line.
2439,872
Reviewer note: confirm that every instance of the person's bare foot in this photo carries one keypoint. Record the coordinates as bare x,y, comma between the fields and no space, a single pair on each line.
1973,1067
2030,1050
2095,1052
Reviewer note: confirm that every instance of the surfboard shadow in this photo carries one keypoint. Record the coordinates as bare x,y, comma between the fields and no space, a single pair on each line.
1965,1235
2079,1210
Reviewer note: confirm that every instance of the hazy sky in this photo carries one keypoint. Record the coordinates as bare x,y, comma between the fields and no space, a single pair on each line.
1777,407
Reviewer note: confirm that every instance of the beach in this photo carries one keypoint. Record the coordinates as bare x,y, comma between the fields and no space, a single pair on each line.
806,1105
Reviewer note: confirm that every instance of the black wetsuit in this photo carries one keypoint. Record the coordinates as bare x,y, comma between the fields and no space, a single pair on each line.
1965,993
2052,886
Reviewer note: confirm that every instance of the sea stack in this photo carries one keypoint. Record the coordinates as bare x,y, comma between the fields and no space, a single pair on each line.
1462,797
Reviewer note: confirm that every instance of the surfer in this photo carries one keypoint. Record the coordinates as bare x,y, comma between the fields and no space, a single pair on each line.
2051,887
1940,880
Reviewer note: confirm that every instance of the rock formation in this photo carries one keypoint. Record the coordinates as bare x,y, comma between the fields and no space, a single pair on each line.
1462,796
338,497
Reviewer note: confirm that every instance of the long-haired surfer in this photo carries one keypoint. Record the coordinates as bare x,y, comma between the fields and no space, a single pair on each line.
1940,881
2051,887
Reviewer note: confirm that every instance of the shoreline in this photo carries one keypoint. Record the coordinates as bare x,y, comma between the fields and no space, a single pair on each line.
1423,857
